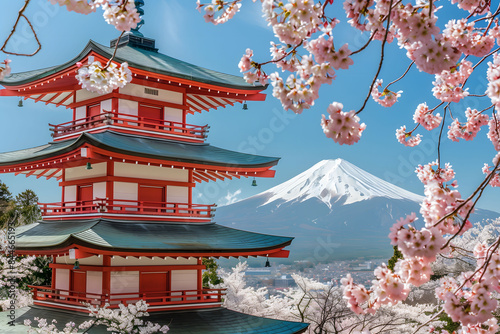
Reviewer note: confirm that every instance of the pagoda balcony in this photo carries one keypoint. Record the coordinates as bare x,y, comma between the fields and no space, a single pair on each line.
130,124
161,300
128,209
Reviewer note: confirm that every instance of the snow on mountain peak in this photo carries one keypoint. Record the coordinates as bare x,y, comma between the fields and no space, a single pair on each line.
333,180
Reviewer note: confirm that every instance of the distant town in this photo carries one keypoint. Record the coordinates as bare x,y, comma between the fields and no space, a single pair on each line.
278,277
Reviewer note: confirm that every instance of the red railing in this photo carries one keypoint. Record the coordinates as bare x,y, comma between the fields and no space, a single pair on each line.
157,298
131,122
121,206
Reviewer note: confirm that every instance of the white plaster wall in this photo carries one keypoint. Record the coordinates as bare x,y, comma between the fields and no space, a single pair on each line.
88,261
99,190
78,173
128,107
94,282
84,94
163,95
81,112
184,280
144,261
177,194
151,172
70,195
125,190
124,281
106,106
172,114
62,279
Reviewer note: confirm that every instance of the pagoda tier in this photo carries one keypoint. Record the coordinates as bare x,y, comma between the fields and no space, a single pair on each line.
156,103
123,261
115,175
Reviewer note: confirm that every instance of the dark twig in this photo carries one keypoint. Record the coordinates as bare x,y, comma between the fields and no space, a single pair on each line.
21,14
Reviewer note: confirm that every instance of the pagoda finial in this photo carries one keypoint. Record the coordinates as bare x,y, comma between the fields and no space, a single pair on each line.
134,38
138,5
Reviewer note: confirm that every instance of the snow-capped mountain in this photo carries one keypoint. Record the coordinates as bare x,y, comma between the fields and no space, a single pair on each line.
332,180
334,210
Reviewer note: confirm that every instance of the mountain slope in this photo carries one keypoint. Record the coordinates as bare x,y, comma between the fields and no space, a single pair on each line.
334,210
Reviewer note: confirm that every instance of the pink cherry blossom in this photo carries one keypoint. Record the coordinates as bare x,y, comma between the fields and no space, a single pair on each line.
448,84
386,98
426,118
342,127
406,138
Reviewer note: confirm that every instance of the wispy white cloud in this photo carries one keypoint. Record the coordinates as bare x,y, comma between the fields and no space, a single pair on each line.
230,198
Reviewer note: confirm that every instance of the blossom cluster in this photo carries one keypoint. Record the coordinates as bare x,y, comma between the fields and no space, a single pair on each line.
120,13
342,127
448,86
426,118
228,10
44,327
386,98
5,70
103,80
471,127
126,319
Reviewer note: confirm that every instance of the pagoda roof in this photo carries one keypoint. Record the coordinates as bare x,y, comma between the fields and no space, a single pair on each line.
201,321
140,146
139,58
145,237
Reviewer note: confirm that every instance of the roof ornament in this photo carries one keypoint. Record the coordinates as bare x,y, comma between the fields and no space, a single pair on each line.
138,5
134,38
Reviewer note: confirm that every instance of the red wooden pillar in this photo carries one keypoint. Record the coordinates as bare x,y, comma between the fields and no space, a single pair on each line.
190,188
106,275
53,281
200,275
110,171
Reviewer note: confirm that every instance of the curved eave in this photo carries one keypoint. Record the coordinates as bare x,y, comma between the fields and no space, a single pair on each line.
144,238
107,144
142,60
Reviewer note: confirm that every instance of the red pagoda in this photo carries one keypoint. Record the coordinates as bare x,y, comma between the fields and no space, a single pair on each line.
127,227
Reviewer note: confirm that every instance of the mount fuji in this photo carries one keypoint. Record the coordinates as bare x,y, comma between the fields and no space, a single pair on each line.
334,210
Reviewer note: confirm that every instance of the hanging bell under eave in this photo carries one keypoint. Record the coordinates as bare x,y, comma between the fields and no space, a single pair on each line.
245,106
89,166
77,265
267,265
254,183
20,104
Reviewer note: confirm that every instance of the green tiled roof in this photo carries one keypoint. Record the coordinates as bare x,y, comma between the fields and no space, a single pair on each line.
202,321
142,59
142,147
144,236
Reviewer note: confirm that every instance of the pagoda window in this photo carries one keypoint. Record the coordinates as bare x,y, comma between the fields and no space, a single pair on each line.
85,197
151,116
151,197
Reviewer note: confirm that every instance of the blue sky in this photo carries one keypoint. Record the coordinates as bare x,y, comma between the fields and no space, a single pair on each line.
180,31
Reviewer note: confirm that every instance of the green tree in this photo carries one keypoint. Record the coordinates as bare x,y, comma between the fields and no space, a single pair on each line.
210,276
27,207
7,205
395,257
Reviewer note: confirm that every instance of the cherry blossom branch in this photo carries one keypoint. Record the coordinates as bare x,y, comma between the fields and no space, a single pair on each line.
479,191
114,52
441,135
428,321
21,14
381,59
401,77
367,43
